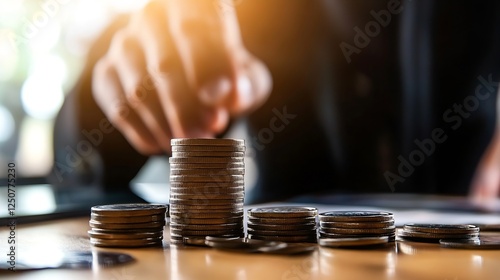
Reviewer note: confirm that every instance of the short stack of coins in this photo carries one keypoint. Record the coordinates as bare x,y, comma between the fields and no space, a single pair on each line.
432,233
286,224
356,228
127,225
206,188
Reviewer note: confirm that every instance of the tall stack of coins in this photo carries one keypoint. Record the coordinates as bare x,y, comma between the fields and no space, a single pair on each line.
356,228
127,225
287,224
207,188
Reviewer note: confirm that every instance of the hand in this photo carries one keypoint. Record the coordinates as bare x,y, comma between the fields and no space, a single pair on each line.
486,183
179,69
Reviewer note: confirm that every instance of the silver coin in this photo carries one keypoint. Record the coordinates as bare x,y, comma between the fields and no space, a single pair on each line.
207,142
208,154
292,249
188,208
182,226
281,232
207,148
359,225
246,245
355,216
311,238
202,202
129,231
205,232
433,237
208,172
281,212
206,221
352,242
127,219
442,228
337,235
291,227
359,231
125,242
96,224
196,166
208,196
224,178
481,243
133,209
194,241
282,221
207,160
207,191
208,215
143,235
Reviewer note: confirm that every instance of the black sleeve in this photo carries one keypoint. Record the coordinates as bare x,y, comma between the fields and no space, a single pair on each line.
88,150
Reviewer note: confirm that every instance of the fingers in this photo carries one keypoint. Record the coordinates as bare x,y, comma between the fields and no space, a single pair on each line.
217,66
486,184
109,95
139,88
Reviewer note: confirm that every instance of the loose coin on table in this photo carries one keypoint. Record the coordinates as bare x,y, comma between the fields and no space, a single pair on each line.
432,233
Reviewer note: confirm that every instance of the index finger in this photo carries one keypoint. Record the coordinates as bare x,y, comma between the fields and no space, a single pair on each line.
207,37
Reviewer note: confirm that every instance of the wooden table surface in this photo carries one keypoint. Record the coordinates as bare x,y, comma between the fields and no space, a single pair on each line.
402,260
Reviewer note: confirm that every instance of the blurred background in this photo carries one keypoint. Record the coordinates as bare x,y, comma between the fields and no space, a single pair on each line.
43,44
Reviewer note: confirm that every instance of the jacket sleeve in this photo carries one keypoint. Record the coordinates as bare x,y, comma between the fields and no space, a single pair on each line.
88,150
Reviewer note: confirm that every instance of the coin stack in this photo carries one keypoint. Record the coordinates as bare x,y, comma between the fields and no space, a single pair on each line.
127,225
206,188
432,233
286,224
356,228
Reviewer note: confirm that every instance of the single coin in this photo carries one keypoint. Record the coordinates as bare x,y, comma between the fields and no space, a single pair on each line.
291,227
207,196
181,226
246,245
207,185
196,166
337,235
206,221
208,179
128,231
281,232
291,249
205,232
203,191
188,208
142,235
282,212
96,224
481,243
208,215
311,238
352,242
355,216
442,228
206,202
208,154
282,221
207,142
359,225
208,172
127,219
359,231
181,211
125,242
207,148
433,237
133,209
207,160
